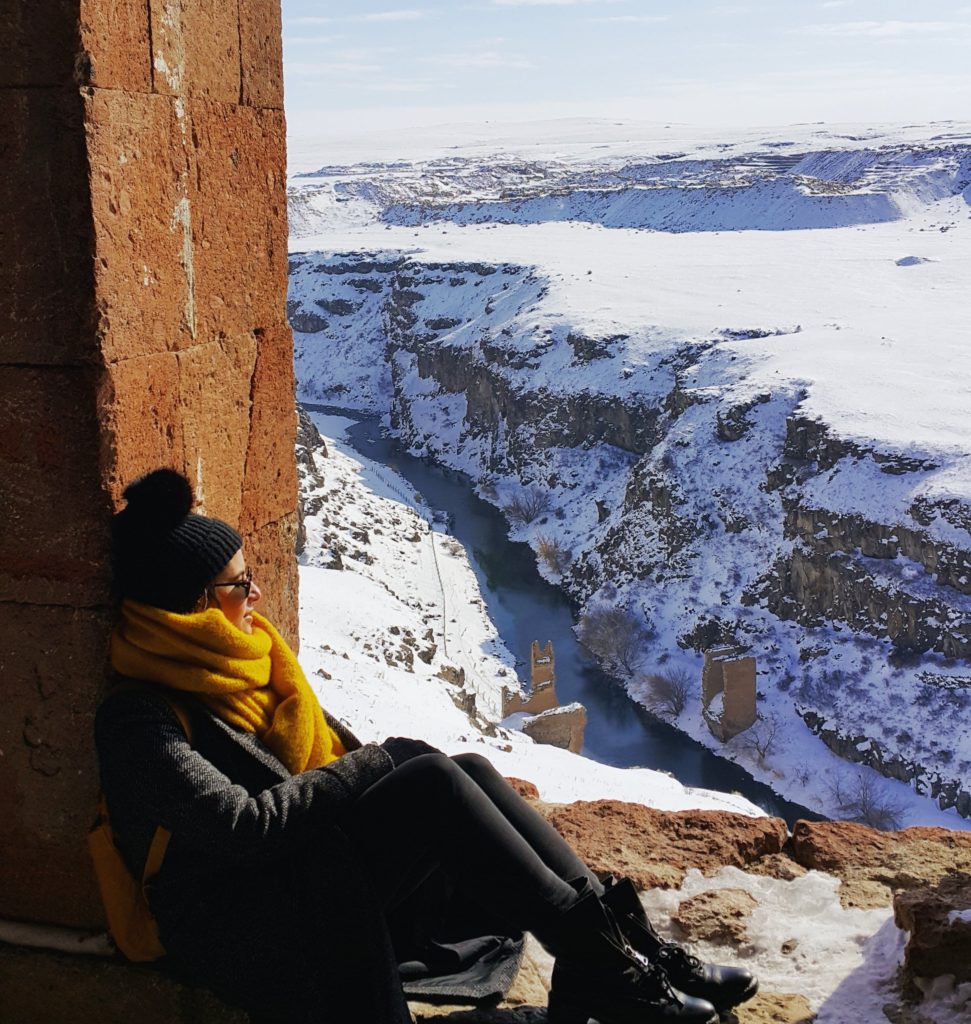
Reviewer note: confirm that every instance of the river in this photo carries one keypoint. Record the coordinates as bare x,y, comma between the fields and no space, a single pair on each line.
525,607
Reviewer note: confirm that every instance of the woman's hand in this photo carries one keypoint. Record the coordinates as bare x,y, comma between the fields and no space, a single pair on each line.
403,748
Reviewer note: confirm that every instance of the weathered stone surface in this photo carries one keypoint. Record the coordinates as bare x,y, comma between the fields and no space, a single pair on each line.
115,45
52,661
261,56
269,550
46,271
195,48
939,921
719,915
53,511
140,403
657,848
872,865
237,198
52,988
214,396
144,266
270,474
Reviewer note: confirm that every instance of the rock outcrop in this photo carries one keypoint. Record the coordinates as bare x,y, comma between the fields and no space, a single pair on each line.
874,865
938,919
657,848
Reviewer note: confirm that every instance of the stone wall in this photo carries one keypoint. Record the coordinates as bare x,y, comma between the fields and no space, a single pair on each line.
559,727
732,676
142,323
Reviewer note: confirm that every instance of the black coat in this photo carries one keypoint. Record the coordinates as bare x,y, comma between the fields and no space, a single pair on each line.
259,895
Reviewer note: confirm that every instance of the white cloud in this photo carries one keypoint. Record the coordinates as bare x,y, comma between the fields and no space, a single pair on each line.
402,86
478,61
337,69
550,3
631,19
412,15
291,40
836,3
884,29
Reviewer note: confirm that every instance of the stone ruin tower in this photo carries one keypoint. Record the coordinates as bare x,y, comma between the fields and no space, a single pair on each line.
142,323
548,722
728,680
542,680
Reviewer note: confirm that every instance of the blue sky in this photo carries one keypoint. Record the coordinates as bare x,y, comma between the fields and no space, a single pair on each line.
396,65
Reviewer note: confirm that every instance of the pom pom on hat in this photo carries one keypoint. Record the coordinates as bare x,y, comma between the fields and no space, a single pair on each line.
164,554
162,498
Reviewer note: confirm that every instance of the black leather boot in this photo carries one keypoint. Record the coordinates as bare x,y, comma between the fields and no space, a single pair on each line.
723,987
597,974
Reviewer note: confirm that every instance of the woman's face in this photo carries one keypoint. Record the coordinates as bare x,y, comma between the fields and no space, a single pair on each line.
230,590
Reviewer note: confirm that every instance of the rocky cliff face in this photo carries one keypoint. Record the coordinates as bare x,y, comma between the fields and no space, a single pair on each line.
715,513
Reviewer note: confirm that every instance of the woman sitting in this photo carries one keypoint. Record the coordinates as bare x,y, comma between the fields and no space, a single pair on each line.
299,857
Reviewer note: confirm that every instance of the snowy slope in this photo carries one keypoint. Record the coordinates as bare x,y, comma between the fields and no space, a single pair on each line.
377,634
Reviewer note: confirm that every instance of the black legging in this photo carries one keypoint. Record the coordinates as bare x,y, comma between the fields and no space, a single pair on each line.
459,814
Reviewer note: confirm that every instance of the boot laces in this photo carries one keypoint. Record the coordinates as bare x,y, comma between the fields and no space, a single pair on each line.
677,956
654,979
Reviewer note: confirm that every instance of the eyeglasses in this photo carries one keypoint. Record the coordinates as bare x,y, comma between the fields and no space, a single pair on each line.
244,584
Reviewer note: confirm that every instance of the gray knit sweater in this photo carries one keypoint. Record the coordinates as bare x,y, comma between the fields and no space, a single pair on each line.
222,795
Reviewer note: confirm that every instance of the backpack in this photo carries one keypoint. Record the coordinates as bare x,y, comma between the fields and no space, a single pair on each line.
130,920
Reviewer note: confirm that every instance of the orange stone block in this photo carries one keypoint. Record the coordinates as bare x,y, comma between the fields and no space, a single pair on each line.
270,479
214,396
115,45
46,235
261,40
53,509
143,222
238,202
141,419
270,553
195,48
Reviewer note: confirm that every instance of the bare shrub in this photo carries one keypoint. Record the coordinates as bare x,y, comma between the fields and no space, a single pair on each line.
760,739
668,692
615,635
530,503
553,554
867,800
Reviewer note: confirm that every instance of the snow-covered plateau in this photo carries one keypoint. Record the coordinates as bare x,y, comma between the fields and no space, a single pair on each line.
720,383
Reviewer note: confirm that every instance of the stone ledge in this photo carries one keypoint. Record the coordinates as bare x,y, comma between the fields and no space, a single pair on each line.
43,987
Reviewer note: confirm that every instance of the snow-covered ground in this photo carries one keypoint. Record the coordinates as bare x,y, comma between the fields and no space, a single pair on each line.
507,246
403,578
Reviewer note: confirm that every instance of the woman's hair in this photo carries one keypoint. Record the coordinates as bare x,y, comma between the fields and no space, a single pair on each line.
163,553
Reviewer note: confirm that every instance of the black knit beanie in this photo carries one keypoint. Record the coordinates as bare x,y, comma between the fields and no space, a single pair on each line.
164,554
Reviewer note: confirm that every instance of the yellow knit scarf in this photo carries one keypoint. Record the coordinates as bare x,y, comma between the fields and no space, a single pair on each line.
250,680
